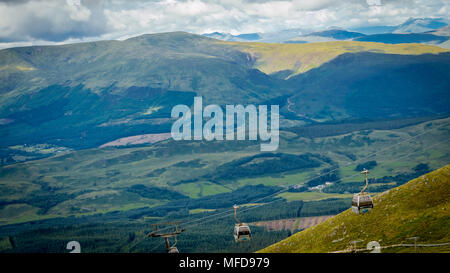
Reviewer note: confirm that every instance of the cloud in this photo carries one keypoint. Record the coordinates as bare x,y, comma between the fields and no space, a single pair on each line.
50,20
58,21
373,2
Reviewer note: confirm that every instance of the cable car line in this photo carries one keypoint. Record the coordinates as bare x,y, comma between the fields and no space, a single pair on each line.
190,224
283,190
262,204
331,171
257,206
214,216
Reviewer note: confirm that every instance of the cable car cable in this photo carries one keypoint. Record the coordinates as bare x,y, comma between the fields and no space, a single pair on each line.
262,204
193,222
331,171
346,177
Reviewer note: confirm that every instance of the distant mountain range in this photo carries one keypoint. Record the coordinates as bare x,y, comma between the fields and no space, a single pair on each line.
418,25
267,37
374,29
414,30
230,37
412,25
337,34
445,31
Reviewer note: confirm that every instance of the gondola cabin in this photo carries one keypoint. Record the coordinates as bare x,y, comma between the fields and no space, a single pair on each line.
362,203
242,232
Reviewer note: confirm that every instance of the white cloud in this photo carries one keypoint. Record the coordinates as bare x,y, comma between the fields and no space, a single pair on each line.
373,2
49,20
59,21
312,5
77,11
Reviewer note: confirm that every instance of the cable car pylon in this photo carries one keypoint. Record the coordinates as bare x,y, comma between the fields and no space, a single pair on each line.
169,248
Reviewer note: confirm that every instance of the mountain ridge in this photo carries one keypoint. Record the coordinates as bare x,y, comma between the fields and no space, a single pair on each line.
412,25
102,91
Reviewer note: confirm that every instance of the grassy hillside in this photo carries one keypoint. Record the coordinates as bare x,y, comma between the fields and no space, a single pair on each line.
299,58
167,61
84,95
87,94
419,208
391,38
373,85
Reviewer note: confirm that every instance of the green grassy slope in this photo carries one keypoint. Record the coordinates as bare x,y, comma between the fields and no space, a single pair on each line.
393,38
299,58
419,208
369,85
84,95
170,61
372,86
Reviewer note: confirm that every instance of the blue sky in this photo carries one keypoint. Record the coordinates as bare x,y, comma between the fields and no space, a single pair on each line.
25,22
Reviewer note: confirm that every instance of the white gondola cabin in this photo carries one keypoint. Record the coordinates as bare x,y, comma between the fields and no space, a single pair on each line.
241,231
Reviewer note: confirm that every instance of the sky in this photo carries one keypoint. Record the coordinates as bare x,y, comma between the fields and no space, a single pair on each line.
35,22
